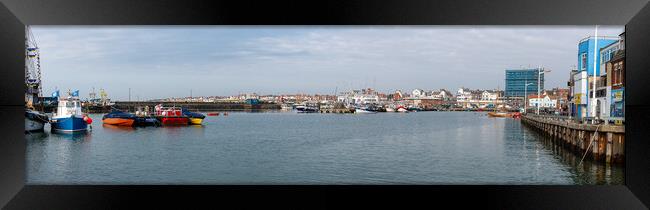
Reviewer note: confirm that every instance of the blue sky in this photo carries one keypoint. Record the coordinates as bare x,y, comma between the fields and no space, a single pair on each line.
160,62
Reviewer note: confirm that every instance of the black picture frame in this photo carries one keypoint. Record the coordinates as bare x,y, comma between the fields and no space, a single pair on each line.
634,14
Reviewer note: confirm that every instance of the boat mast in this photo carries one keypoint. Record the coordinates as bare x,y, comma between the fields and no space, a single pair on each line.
32,69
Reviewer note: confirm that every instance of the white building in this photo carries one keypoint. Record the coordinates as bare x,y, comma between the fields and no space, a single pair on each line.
543,102
441,94
463,94
579,80
489,95
417,93
357,98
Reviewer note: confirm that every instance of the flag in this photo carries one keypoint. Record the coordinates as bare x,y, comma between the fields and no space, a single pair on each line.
55,94
75,93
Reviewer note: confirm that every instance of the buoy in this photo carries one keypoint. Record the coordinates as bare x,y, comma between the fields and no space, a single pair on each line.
88,120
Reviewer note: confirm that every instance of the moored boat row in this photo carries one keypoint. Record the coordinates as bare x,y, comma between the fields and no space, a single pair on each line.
162,116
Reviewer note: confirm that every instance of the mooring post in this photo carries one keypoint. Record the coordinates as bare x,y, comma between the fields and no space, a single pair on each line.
608,157
596,145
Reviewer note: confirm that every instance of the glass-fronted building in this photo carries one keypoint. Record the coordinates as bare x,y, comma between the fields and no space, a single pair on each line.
516,80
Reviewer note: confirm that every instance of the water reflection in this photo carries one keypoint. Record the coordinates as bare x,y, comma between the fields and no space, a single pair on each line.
82,136
118,128
197,130
36,135
287,148
174,131
589,172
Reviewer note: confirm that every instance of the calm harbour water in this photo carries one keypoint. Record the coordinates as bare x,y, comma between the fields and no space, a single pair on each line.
293,148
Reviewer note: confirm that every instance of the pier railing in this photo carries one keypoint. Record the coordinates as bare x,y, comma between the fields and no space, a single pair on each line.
570,119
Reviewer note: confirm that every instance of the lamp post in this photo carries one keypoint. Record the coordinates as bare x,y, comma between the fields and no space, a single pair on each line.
540,71
593,95
526,94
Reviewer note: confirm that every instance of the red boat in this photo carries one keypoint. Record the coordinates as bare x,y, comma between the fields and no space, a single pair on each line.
171,115
213,114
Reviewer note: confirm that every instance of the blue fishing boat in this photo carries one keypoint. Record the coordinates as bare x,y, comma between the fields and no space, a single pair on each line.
68,116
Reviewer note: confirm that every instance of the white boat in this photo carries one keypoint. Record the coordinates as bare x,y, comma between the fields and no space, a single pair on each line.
286,107
364,111
306,109
402,109
389,109
34,120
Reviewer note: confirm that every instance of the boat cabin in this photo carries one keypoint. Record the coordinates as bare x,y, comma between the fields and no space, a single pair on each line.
168,111
69,106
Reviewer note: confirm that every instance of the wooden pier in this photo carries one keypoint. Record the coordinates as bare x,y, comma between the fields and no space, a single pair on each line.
607,141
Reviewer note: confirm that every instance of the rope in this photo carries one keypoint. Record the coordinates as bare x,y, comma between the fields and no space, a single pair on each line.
590,143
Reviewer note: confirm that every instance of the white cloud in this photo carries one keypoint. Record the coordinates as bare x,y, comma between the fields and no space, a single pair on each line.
221,61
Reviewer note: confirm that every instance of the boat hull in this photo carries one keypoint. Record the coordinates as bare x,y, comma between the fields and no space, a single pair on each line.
497,114
146,121
174,120
363,111
196,121
69,124
35,121
119,121
33,125
306,109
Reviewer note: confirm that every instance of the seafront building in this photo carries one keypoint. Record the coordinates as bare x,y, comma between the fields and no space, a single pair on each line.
516,80
467,98
359,97
582,79
429,99
489,95
543,101
615,68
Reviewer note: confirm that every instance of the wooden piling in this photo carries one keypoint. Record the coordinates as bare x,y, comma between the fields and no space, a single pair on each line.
607,141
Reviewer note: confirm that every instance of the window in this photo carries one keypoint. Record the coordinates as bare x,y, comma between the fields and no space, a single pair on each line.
618,73
583,63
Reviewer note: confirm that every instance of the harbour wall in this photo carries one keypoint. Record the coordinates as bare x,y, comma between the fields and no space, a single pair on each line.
198,106
608,141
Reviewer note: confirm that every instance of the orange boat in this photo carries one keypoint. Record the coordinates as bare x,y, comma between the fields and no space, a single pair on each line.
118,121
500,114
119,118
